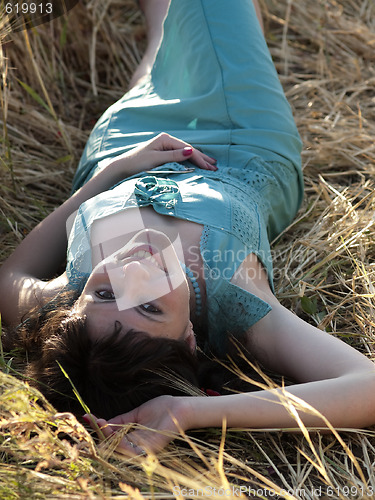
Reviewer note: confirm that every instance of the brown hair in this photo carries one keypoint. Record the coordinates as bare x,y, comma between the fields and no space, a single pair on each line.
115,374
112,375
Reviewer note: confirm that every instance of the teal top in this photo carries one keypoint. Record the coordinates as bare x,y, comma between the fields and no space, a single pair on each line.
234,217
213,85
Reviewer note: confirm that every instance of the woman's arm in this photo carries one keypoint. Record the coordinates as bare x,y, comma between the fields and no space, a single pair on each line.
41,253
338,386
336,381
344,402
333,380
332,377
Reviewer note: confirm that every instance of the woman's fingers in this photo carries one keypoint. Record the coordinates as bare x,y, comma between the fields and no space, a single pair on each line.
99,425
129,445
174,149
147,428
203,161
193,155
104,430
142,442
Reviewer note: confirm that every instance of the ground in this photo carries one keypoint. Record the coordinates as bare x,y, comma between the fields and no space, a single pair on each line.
56,81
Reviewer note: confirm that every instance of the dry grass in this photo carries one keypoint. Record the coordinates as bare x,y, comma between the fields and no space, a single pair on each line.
56,81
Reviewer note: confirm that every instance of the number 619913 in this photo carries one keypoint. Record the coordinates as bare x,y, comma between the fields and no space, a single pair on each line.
28,8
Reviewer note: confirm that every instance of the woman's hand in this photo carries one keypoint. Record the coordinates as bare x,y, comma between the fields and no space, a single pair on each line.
159,421
162,149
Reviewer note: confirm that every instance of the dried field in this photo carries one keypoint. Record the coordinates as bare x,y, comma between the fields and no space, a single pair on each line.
56,80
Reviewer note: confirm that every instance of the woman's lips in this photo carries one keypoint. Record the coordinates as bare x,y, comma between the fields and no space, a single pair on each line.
144,252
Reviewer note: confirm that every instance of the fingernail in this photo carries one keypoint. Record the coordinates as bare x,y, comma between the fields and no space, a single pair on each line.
86,418
211,167
187,151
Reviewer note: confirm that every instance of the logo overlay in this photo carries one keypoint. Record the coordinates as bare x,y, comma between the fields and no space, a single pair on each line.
25,14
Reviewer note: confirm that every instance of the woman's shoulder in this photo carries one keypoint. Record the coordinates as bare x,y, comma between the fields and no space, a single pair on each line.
235,305
252,277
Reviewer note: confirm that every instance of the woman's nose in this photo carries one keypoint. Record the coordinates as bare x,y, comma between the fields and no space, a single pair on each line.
136,270
133,281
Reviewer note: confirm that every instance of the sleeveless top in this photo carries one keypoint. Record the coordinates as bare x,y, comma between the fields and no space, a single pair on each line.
231,204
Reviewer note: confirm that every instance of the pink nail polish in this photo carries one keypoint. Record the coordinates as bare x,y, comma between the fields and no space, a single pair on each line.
187,151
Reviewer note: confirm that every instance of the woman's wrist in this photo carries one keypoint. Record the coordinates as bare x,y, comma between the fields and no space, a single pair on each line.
196,412
122,167
186,413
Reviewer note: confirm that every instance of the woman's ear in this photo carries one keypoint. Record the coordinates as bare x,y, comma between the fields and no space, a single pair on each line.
190,337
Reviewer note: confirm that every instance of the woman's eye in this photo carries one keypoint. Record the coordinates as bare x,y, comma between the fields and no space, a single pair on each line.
150,308
105,294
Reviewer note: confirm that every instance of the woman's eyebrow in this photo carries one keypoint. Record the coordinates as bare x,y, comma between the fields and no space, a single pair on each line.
105,303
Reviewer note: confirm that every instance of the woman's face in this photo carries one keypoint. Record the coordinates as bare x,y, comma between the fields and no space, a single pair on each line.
142,287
